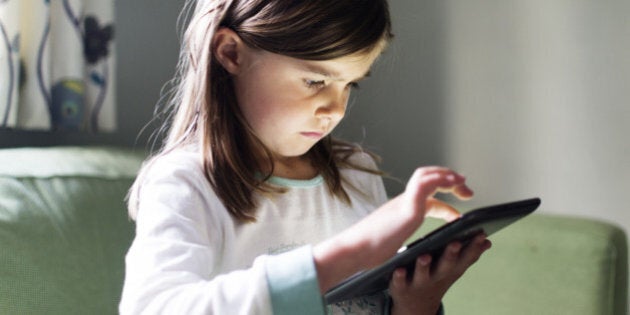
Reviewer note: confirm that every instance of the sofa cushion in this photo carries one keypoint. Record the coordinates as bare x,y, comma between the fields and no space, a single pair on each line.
64,229
546,264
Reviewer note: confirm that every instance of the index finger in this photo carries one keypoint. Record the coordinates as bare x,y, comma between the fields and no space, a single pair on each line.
441,210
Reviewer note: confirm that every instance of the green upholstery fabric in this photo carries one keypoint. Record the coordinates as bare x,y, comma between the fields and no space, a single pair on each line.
63,229
64,232
547,264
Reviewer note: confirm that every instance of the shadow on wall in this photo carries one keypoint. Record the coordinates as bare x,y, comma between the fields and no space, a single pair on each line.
399,111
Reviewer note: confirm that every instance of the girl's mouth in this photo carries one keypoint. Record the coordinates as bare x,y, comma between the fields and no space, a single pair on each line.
313,134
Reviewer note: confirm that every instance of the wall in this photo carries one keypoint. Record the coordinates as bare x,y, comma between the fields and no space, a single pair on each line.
526,98
538,102
147,54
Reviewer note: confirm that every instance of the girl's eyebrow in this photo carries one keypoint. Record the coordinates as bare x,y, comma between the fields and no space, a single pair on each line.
330,74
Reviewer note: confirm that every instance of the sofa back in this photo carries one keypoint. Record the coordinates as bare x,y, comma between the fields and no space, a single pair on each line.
64,229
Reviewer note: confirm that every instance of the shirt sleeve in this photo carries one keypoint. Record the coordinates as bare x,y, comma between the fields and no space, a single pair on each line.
293,283
172,265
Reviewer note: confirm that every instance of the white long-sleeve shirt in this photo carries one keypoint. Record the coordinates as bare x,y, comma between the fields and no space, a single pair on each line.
190,256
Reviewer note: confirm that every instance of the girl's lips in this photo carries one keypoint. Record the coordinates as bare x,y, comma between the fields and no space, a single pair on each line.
312,134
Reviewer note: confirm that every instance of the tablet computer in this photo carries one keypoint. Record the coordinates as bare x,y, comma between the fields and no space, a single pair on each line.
486,220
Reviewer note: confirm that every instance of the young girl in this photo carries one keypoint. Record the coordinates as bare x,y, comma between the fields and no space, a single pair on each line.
251,207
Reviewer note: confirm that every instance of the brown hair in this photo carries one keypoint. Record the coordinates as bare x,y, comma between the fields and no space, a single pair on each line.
204,102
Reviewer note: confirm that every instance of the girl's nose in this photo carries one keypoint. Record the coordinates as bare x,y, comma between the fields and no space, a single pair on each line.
333,106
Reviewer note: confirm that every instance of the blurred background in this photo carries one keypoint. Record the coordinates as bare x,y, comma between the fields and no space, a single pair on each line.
526,98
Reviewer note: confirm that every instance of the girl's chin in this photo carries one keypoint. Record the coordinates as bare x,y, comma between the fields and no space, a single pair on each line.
296,152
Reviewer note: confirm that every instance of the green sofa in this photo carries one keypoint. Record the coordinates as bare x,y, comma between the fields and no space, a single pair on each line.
64,232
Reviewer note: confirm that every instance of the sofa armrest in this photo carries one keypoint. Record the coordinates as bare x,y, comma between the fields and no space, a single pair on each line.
547,264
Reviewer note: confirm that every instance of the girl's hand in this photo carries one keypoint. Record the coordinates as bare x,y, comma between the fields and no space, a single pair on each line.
422,293
427,181
377,237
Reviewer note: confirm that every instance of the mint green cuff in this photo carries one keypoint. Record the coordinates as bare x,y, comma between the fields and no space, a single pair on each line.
293,285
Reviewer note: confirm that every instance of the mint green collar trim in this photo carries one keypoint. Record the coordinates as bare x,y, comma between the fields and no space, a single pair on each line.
296,183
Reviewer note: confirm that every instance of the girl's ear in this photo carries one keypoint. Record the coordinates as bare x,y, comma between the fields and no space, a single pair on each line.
228,49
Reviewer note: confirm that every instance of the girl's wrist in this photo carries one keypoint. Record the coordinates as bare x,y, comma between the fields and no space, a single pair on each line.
364,245
335,259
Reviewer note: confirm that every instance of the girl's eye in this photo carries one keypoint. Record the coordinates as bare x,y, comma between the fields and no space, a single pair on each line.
315,84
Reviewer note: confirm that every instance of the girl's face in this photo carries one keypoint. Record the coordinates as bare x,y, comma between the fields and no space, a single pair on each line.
291,103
